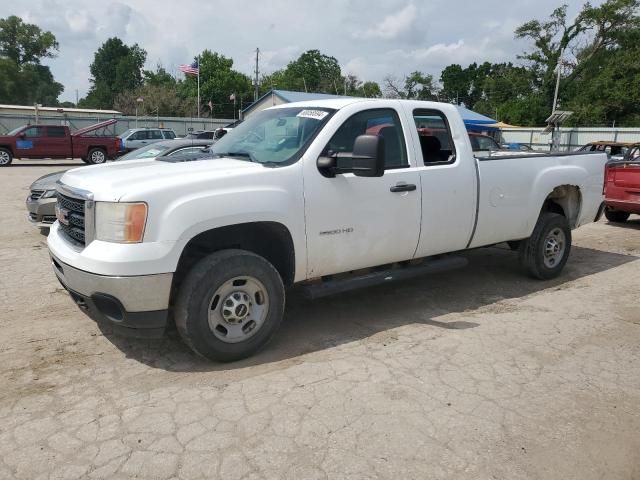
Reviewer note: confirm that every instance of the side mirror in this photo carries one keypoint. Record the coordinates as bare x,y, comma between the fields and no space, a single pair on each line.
21,135
368,156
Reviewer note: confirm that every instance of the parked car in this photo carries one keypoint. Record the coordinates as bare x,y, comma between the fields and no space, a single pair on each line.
41,201
522,147
139,137
616,150
56,141
622,186
216,134
300,194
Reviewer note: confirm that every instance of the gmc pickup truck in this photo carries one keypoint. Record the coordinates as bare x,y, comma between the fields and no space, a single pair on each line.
329,195
91,144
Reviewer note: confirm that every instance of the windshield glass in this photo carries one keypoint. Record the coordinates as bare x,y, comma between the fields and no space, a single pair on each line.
147,151
272,136
14,131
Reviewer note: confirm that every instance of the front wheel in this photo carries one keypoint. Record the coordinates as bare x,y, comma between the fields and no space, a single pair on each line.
616,216
96,156
5,157
229,305
544,254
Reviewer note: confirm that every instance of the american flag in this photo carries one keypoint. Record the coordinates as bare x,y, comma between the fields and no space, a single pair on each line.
190,69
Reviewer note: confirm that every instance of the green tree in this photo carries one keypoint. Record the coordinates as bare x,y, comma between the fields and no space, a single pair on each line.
159,78
158,100
579,40
354,87
24,42
415,86
218,81
116,68
23,80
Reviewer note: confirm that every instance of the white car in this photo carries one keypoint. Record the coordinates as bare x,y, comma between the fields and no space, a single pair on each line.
298,194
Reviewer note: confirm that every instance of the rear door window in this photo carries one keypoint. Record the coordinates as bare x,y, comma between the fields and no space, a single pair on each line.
168,134
56,132
155,135
434,133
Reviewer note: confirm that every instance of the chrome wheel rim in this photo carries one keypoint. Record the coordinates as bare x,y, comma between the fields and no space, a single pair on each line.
238,309
4,158
554,247
97,157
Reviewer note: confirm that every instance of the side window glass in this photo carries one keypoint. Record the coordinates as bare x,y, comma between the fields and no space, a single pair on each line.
55,131
34,132
155,134
169,134
382,122
436,143
141,135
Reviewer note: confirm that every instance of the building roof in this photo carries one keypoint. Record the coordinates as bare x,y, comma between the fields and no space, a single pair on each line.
290,97
56,109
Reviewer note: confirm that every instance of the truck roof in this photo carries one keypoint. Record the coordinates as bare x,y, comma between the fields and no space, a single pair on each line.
341,102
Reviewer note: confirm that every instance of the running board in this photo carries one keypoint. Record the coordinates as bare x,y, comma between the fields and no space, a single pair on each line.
331,287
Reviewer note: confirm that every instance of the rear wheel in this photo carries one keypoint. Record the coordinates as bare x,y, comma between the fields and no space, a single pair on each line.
96,156
5,157
544,254
229,305
616,215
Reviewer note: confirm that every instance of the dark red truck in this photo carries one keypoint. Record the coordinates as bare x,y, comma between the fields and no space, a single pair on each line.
622,186
91,144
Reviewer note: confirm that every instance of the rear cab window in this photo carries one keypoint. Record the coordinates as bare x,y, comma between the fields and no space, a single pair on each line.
383,122
436,143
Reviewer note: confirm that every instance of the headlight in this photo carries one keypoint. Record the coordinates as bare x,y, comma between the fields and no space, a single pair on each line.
49,194
120,222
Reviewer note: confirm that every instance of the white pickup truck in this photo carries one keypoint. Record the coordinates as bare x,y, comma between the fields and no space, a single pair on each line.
314,193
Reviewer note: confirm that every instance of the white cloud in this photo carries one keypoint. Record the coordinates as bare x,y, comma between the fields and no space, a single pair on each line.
393,25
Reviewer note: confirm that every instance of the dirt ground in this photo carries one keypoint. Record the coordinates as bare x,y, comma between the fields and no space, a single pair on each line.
478,373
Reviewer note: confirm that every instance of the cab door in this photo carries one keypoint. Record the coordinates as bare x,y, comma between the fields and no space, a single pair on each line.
356,222
30,143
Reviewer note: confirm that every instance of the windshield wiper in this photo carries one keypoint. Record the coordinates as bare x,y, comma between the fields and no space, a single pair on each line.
242,154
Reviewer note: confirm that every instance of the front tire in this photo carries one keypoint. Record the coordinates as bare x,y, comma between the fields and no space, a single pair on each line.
229,305
544,254
6,157
616,216
96,156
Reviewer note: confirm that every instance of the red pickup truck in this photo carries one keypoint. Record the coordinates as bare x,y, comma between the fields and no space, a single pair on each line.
622,186
91,144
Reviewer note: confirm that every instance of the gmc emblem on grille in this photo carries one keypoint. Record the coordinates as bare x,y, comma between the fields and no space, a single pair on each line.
62,214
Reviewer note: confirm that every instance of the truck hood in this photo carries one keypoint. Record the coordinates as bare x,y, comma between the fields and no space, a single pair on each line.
110,182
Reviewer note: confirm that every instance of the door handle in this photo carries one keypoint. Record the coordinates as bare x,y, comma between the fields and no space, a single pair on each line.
403,187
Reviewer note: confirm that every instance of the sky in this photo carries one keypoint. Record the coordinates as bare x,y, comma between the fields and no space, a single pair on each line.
370,38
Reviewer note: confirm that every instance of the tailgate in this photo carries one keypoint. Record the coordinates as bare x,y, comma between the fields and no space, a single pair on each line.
627,175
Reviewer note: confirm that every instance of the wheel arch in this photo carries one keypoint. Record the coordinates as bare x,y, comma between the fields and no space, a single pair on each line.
271,240
565,200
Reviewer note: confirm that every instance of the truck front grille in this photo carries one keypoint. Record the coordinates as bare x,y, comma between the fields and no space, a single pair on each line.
72,213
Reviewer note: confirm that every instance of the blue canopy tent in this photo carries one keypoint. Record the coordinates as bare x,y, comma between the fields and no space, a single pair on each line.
476,122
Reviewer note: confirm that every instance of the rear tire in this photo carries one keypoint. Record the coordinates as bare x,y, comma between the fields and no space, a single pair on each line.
96,156
229,305
544,254
616,215
6,157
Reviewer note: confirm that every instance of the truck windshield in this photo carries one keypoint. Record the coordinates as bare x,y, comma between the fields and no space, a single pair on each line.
14,131
275,136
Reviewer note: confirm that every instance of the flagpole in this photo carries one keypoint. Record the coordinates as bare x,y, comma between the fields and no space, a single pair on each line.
198,88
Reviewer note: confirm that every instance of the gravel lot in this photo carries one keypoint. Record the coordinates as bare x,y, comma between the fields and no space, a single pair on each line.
477,373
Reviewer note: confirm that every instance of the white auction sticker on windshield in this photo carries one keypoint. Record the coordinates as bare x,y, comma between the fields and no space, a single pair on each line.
316,114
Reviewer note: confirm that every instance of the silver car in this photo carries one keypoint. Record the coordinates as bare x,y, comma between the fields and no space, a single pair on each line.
41,201
139,137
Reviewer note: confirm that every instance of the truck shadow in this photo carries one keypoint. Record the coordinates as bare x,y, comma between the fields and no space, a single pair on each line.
633,223
368,315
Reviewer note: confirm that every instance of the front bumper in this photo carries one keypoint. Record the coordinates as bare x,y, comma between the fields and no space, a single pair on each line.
42,212
135,306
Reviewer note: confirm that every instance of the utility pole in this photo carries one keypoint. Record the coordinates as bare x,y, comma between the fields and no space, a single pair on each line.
255,95
555,95
76,98
305,85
